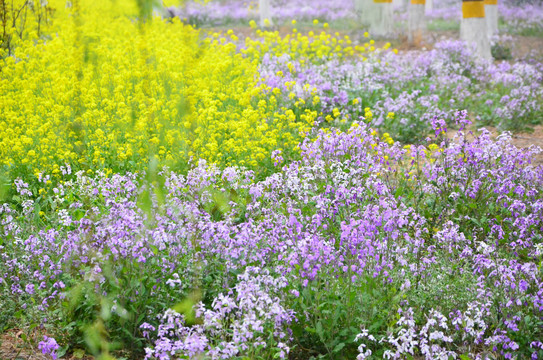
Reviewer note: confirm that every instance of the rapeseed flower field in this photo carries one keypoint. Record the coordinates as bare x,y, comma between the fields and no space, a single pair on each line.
103,91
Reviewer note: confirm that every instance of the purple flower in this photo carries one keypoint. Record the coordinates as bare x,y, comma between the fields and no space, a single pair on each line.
48,346
30,289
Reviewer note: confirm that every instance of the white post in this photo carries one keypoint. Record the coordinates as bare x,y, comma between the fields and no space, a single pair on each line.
398,4
491,14
364,11
264,10
381,22
429,6
416,21
473,27
359,9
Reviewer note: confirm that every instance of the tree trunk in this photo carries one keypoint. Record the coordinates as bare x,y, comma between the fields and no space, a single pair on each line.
364,11
491,14
429,6
416,21
398,4
264,10
473,28
381,24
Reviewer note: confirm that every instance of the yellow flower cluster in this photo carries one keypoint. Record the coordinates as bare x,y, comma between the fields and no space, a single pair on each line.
107,92
312,46
368,115
386,138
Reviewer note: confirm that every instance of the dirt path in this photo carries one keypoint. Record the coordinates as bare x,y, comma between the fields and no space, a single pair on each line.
525,140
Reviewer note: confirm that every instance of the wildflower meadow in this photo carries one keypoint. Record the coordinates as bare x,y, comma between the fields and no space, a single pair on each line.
197,180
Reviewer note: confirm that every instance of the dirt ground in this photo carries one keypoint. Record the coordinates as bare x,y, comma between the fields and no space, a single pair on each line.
535,138
12,347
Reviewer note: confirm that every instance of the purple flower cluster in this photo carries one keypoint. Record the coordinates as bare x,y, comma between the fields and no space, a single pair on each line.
240,322
522,19
415,87
49,346
454,228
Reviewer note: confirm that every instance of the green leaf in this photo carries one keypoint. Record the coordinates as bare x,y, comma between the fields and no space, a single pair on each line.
62,351
338,347
319,330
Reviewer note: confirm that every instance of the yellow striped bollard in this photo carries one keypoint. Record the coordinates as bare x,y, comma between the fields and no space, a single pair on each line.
473,28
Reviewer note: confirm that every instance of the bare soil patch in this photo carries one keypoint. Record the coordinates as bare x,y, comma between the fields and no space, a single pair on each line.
527,139
13,347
